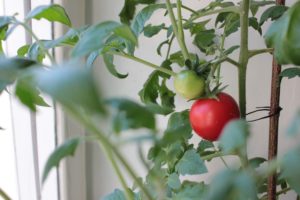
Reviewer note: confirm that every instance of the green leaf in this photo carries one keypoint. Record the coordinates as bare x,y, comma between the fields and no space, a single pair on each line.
131,115
52,13
28,94
179,128
128,10
254,5
109,62
204,145
71,85
229,184
191,164
11,68
22,51
173,181
290,169
116,195
126,33
272,13
256,162
255,25
291,72
234,136
190,191
150,30
283,36
231,49
204,39
152,89
294,127
93,38
143,16
68,148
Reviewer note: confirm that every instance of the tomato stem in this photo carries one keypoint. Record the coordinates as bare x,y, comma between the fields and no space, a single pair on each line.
260,51
109,146
200,13
111,158
4,195
38,41
178,28
147,63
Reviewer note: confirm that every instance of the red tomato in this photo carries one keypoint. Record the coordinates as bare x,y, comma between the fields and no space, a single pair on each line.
209,116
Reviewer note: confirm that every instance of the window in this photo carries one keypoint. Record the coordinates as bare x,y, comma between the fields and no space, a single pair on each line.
28,138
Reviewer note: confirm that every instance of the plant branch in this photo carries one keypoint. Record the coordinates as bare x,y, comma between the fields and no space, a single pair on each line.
189,9
177,29
243,57
107,144
211,12
41,45
259,51
149,64
214,155
4,195
110,156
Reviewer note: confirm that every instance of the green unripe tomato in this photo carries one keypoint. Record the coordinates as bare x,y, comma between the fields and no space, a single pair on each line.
189,85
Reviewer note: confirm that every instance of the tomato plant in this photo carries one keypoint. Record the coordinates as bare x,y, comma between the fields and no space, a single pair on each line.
209,116
189,85
172,153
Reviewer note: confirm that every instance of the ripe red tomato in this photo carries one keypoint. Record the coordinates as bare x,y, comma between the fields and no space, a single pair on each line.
209,116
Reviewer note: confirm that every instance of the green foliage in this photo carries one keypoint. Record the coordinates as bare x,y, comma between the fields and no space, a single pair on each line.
93,38
128,10
68,148
230,184
143,16
28,93
128,115
178,129
72,86
234,136
294,127
52,13
115,195
283,36
172,154
291,72
155,89
11,69
272,13
290,169
109,62
191,164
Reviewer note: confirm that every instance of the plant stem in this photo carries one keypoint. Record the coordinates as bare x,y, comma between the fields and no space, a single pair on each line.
169,46
4,195
214,155
221,54
211,12
177,29
149,64
110,156
189,9
260,51
108,145
243,57
42,46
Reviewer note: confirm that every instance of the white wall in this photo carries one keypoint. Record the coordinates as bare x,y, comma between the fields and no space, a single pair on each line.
101,179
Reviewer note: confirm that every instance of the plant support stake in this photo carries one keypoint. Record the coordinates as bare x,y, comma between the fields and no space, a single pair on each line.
274,120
